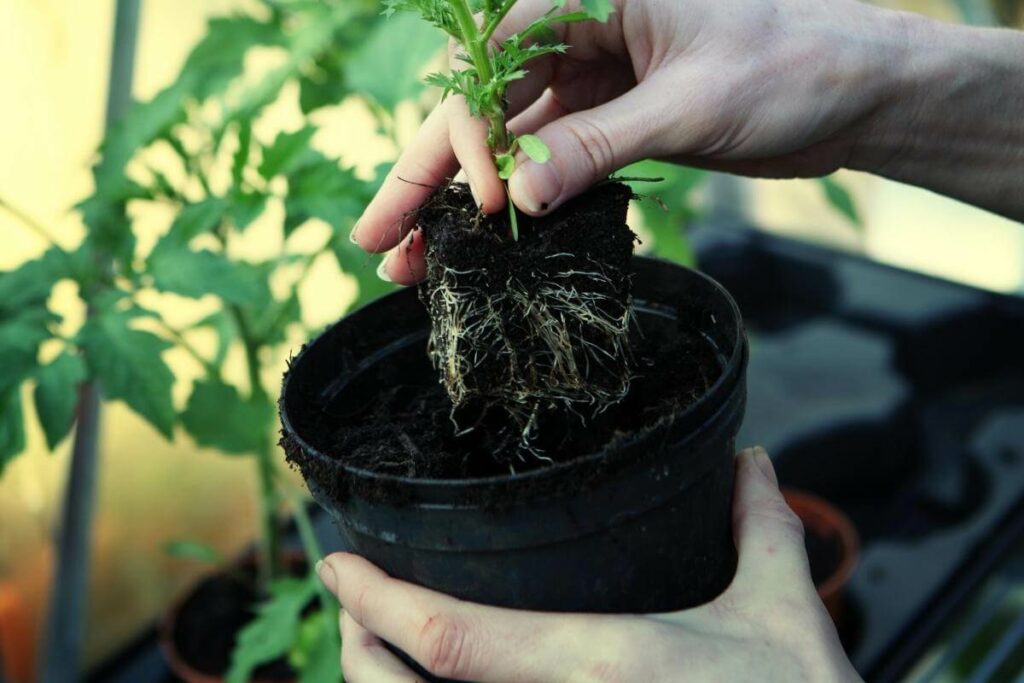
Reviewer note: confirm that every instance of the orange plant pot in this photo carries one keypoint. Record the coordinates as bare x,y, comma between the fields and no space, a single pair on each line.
825,520
17,646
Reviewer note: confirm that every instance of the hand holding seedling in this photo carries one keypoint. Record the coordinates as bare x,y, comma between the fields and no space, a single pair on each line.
774,88
768,626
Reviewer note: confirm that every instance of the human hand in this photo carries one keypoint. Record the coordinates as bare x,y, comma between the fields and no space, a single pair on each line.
776,88
769,625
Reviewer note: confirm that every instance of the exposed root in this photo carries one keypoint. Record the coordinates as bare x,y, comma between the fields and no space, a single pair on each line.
571,341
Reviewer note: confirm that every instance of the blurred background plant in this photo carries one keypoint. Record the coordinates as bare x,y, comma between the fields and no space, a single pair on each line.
212,242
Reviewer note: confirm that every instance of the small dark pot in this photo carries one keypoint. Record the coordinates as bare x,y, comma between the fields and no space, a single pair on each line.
218,606
644,525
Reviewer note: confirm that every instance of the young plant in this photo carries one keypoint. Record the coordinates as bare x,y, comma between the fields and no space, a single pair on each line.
491,69
204,121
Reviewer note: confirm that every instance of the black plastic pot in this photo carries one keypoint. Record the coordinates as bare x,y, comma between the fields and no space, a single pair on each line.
642,526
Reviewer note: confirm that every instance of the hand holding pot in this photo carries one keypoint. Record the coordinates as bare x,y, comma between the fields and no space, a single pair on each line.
769,625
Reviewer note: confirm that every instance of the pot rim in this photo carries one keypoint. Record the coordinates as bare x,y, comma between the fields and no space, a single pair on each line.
732,372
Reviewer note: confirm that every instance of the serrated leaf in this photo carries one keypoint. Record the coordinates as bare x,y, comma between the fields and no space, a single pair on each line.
245,207
12,427
129,366
598,9
20,336
196,219
193,550
841,200
273,630
56,395
534,148
217,416
32,281
220,56
390,75
196,273
322,189
286,152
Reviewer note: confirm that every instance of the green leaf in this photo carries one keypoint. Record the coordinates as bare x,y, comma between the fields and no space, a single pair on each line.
598,9
389,75
20,337
193,550
109,229
273,630
224,327
506,164
12,426
217,416
197,219
56,395
220,56
667,205
180,270
241,157
316,654
534,148
245,207
31,282
320,188
841,200
287,150
129,365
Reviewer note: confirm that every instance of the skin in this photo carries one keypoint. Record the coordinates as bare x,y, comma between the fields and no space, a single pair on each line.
769,625
767,88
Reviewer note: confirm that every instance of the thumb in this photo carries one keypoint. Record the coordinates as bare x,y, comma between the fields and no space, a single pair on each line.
586,147
769,535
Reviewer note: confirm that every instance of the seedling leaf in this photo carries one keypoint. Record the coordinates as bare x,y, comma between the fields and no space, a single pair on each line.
193,550
534,148
841,200
271,633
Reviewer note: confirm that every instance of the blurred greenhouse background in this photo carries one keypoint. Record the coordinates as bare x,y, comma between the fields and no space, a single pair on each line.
152,491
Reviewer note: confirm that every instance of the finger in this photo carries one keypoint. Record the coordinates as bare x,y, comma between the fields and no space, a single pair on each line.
468,138
546,109
452,638
769,536
405,264
587,146
364,659
425,165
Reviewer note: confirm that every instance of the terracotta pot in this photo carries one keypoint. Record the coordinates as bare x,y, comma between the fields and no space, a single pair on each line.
295,561
829,524
16,644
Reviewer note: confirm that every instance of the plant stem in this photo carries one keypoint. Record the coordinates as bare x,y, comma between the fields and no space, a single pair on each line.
492,25
29,222
476,43
270,567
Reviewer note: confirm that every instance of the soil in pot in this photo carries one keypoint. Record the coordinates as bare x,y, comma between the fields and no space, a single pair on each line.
535,323
200,633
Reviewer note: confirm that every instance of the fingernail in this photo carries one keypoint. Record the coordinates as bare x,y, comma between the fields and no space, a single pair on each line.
534,186
327,575
352,235
764,463
382,270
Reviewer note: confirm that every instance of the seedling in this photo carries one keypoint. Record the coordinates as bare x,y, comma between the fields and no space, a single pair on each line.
492,68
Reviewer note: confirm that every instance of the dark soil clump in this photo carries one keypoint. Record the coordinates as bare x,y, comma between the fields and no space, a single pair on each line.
534,324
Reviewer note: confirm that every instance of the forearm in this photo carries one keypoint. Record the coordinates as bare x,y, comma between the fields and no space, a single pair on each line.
953,121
